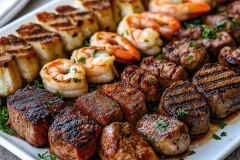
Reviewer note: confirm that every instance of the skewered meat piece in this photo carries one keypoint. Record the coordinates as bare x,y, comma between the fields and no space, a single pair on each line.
24,54
144,81
102,10
85,20
120,141
131,100
183,102
166,72
99,107
221,87
10,78
30,112
230,58
70,33
167,135
73,136
187,53
48,45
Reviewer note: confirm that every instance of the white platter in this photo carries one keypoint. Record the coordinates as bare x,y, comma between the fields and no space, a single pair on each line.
212,150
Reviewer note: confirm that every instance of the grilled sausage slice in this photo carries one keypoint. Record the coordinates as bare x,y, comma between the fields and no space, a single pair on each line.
48,45
120,141
230,58
168,136
144,81
221,87
183,102
99,107
73,135
187,53
31,110
130,99
166,72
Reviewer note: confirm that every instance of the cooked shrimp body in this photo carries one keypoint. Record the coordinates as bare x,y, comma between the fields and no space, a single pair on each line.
143,32
181,9
123,50
168,24
65,77
97,62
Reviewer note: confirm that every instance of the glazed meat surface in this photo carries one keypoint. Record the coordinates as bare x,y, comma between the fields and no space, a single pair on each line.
221,87
183,102
131,100
31,110
230,58
120,141
167,135
187,53
73,136
99,107
166,72
144,81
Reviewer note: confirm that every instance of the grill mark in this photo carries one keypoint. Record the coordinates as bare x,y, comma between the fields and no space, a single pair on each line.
182,86
215,81
203,108
201,76
186,103
172,97
222,89
41,38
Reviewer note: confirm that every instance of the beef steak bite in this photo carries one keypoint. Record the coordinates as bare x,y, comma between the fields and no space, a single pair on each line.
221,87
131,100
100,107
230,58
167,135
31,110
120,141
183,102
73,136
144,81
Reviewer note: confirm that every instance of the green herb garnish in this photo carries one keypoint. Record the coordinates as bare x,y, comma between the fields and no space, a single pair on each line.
162,125
82,59
46,156
209,32
146,40
191,152
68,70
216,137
181,113
3,120
49,102
194,22
221,25
160,56
222,124
38,83
190,58
70,103
126,32
76,80
223,134
86,43
58,94
236,22
94,53
194,44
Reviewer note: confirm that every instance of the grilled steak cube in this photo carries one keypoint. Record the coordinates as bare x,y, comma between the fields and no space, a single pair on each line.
70,33
221,87
24,54
183,102
30,112
84,19
168,136
99,107
187,53
48,45
233,10
10,78
166,72
144,81
230,58
73,136
120,141
130,99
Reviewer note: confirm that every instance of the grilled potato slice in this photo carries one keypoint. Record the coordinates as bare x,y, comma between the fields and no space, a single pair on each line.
86,20
70,33
48,45
24,54
10,79
102,9
122,8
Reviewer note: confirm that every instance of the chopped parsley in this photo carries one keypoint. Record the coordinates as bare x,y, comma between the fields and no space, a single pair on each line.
68,70
181,113
74,61
160,56
3,120
153,81
194,44
70,103
114,104
58,94
162,125
126,32
236,22
38,83
82,59
221,25
190,58
194,22
222,124
46,156
223,134
191,152
76,80
209,32
146,40
86,43
50,102
94,53
216,137
74,69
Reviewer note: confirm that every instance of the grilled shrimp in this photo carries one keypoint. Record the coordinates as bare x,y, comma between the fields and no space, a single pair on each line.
143,32
97,62
121,48
181,9
65,77
168,24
